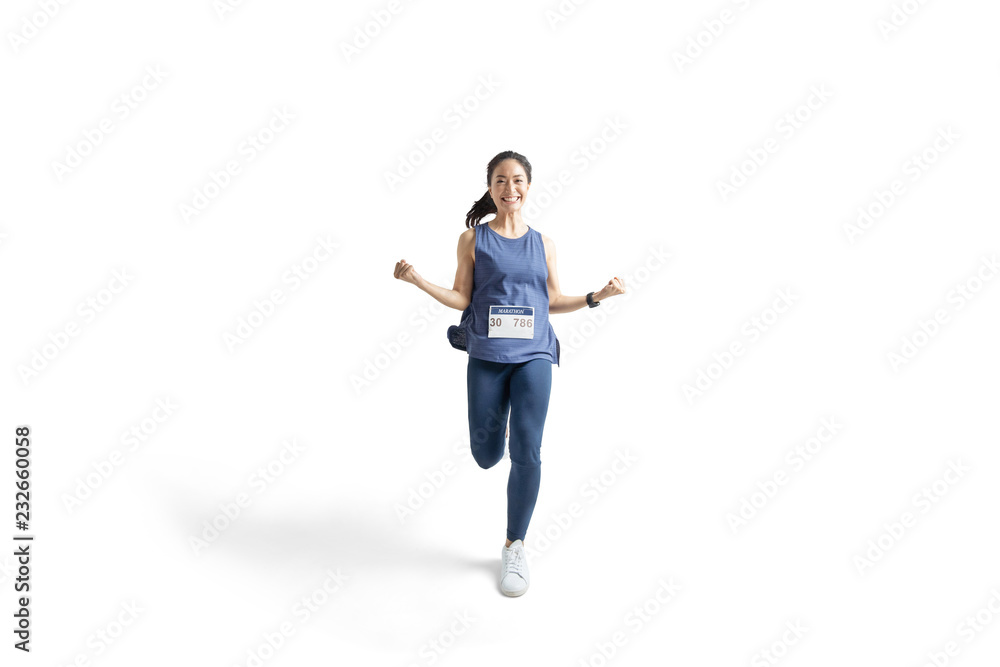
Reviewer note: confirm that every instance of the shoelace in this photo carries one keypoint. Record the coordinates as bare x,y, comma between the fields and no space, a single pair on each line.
515,562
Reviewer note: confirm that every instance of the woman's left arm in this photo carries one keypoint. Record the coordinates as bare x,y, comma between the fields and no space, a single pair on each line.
562,303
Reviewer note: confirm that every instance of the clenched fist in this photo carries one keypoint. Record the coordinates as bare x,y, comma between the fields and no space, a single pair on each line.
406,272
614,287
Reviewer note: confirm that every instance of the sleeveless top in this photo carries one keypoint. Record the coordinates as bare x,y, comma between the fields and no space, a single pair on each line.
508,272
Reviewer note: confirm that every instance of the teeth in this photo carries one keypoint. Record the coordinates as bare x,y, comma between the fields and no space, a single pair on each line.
511,198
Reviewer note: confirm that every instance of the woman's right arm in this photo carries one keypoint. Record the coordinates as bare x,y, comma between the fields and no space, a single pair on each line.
460,296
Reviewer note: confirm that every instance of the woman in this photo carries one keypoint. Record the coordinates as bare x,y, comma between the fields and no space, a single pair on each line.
506,285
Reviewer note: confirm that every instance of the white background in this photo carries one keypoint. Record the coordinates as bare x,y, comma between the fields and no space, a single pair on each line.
648,188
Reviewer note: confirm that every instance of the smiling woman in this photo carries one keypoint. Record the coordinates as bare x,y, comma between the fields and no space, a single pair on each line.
510,268
506,285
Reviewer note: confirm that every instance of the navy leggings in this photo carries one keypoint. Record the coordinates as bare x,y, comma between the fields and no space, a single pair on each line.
523,389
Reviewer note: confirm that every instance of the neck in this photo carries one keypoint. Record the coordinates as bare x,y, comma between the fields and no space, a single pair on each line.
512,223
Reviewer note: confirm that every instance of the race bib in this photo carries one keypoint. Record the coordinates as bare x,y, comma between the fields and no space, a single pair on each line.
512,322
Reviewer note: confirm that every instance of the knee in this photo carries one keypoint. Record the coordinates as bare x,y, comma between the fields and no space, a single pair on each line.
524,451
486,457
486,464
526,462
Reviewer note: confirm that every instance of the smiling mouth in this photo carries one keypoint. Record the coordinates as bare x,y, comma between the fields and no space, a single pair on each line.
510,200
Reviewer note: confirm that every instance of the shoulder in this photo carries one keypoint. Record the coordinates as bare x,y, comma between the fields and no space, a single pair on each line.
467,242
550,246
468,237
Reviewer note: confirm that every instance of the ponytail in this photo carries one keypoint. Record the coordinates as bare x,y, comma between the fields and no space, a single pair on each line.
480,210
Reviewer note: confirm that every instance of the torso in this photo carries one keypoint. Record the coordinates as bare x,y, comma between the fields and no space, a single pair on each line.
513,272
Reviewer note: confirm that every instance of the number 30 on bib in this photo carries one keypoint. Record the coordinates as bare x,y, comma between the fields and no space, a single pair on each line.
512,322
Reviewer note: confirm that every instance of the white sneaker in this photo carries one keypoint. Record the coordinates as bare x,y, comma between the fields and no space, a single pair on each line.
514,571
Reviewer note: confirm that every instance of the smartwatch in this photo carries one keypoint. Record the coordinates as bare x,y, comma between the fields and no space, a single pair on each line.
591,302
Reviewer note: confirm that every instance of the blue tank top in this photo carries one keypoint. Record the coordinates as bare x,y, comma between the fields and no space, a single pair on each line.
511,276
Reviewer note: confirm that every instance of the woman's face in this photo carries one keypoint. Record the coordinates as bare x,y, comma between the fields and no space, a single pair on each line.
509,187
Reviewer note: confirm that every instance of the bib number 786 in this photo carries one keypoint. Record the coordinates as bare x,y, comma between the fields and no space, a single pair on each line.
512,322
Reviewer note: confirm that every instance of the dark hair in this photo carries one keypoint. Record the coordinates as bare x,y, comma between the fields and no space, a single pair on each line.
485,205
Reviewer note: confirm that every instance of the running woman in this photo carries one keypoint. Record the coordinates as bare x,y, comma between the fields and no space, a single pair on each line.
506,285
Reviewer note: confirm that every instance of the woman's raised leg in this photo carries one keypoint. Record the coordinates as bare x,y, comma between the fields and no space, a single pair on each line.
489,403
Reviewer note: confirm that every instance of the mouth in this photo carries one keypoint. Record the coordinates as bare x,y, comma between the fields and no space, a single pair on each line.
511,200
